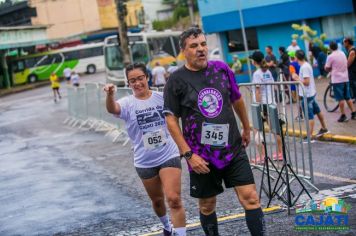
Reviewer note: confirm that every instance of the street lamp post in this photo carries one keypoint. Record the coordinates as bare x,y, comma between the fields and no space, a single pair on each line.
244,38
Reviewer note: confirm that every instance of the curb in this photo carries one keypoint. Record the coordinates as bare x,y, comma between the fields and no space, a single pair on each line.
16,89
326,137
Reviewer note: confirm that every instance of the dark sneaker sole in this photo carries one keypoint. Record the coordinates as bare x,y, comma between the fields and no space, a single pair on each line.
319,135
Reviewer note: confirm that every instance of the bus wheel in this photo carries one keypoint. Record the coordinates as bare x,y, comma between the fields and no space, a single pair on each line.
91,69
31,79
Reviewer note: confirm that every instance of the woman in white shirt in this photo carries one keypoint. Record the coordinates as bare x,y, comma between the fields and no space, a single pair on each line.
263,94
156,156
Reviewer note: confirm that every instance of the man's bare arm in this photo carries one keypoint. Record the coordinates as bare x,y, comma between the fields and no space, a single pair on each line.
351,58
198,164
240,109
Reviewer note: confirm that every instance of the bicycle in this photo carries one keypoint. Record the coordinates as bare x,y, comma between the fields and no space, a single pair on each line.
330,102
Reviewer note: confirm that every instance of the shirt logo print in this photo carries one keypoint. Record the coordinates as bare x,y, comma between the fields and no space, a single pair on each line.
210,102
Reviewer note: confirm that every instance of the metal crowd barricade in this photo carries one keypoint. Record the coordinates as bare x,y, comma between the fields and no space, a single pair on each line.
299,154
92,106
87,108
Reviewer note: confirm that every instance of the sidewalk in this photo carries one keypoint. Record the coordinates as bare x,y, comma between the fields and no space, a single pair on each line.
340,132
25,87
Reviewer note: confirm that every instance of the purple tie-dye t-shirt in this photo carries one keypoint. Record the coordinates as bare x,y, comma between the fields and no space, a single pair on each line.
205,96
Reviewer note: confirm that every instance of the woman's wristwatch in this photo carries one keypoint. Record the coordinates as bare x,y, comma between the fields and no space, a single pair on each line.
187,155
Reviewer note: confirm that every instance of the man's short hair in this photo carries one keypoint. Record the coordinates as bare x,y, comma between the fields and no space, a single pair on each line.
333,45
270,47
349,41
195,31
300,55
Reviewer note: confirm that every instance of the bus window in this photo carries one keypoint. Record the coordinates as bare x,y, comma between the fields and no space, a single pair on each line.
139,53
113,58
18,66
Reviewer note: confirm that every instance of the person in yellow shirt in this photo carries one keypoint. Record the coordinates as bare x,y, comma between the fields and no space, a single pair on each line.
55,86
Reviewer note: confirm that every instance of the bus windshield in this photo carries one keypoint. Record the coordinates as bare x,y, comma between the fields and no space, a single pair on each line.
114,58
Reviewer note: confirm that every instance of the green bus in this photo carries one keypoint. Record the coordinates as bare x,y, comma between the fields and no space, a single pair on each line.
86,58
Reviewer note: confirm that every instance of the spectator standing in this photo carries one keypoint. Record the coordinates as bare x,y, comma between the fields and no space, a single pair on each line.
172,67
263,94
320,58
337,64
271,62
236,66
159,75
307,78
293,47
351,64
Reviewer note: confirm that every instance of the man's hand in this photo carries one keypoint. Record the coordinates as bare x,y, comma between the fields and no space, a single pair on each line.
246,137
198,164
110,89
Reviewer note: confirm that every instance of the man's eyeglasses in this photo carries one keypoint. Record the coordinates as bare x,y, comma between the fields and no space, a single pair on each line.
134,80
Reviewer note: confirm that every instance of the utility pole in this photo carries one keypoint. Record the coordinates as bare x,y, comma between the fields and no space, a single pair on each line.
122,37
191,11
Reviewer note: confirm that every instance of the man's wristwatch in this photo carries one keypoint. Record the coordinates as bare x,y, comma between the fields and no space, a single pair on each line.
187,155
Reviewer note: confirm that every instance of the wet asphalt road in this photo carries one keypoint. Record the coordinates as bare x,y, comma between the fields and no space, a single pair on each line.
59,180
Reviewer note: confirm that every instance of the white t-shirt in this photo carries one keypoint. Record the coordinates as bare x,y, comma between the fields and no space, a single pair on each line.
292,48
146,127
160,73
266,90
75,79
171,69
306,71
67,71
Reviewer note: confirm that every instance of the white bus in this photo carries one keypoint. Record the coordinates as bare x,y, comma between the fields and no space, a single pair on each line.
145,47
86,58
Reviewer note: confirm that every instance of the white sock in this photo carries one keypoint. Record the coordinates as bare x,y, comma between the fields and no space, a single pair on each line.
165,221
180,231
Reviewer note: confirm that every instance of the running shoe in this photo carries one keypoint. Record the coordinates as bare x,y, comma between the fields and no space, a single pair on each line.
343,118
353,115
167,233
305,140
322,132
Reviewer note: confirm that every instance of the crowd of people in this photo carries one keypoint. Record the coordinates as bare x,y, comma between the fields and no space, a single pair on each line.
341,66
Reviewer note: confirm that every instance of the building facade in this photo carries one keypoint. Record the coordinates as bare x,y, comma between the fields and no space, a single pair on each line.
269,22
71,18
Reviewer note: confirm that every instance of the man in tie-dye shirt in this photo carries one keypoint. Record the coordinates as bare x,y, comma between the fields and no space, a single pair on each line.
205,95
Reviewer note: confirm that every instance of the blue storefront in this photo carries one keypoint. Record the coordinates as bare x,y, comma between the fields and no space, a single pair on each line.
269,22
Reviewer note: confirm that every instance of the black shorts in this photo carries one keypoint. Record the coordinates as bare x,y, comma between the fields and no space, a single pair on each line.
148,173
237,173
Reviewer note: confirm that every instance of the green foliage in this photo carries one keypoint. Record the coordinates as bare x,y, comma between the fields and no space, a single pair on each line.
180,12
161,25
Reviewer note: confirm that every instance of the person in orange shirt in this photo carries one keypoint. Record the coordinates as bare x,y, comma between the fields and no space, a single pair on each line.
55,86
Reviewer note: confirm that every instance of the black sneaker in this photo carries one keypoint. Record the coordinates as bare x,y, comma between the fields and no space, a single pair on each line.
343,118
353,115
305,140
167,233
322,132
